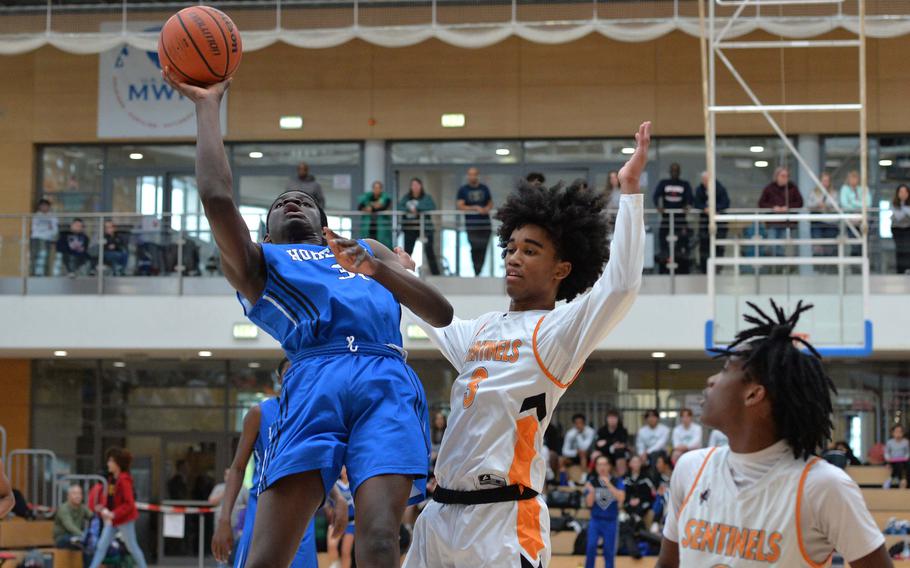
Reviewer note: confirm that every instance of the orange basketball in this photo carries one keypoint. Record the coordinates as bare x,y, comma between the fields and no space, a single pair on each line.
200,45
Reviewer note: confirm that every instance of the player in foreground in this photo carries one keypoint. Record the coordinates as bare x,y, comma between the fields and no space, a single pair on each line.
349,396
254,439
514,366
766,499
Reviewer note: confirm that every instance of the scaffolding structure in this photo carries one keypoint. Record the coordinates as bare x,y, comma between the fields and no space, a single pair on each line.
714,47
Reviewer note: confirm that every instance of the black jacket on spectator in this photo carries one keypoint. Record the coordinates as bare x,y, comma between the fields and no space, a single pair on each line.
114,242
701,197
620,435
673,194
553,437
643,489
75,244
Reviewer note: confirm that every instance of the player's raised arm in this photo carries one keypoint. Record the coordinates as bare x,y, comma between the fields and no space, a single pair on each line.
386,267
572,331
241,258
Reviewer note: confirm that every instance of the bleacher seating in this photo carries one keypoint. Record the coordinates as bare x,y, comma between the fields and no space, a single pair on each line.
18,533
869,475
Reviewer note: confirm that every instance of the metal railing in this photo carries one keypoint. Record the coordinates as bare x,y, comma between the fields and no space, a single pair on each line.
181,247
34,473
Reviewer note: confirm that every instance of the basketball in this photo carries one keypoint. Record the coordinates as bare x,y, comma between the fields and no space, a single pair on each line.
200,45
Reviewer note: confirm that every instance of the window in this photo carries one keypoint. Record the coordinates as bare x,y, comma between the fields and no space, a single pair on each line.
72,177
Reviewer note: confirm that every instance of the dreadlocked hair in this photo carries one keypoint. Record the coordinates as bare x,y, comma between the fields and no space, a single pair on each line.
797,384
571,216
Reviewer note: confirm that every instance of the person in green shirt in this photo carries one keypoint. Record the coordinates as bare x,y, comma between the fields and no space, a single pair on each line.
373,226
71,519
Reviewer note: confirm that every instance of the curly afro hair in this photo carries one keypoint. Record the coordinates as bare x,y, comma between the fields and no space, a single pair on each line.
572,217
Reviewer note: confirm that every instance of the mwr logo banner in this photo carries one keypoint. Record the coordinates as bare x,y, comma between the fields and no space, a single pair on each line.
135,102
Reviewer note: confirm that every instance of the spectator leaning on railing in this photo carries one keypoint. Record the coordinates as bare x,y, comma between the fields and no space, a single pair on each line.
701,202
373,226
73,245
116,252
475,198
673,194
781,195
416,204
44,234
900,227
818,202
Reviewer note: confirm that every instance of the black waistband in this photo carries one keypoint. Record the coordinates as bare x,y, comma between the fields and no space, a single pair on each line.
484,496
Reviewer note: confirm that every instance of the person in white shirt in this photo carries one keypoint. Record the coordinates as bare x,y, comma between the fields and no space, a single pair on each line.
578,441
767,499
514,366
44,235
652,438
686,435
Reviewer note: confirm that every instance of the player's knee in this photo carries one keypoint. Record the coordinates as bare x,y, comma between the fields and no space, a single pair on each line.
378,542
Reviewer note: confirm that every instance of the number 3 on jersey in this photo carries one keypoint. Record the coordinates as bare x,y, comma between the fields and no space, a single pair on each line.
479,374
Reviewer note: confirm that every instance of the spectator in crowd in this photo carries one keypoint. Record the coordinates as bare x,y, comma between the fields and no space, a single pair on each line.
640,494
71,520
553,439
612,194
621,465
876,454
848,451
717,439
851,194
603,495
780,196
612,438
373,226
120,509
178,487
306,183
216,500
835,456
822,200
7,501
578,442
687,434
475,198
74,248
652,438
116,252
673,194
536,179
900,227
415,204
897,454
437,429
663,470
44,234
701,202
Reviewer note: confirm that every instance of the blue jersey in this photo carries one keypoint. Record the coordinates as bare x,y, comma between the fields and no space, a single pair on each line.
605,505
268,410
310,300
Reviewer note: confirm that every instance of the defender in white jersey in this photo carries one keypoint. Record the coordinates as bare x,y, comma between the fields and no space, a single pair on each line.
766,499
514,366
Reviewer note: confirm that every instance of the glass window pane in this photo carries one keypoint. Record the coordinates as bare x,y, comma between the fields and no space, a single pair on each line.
574,151
64,382
72,177
346,153
165,383
163,156
463,152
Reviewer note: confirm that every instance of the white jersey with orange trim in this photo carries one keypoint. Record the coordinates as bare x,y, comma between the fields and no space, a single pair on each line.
513,367
787,512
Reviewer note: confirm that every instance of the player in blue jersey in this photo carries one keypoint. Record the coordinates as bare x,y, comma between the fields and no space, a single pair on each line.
349,397
254,439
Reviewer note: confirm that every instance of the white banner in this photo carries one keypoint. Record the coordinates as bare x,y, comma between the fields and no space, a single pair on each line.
135,102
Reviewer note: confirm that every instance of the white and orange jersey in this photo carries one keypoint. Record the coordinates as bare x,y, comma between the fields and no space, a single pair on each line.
795,514
514,366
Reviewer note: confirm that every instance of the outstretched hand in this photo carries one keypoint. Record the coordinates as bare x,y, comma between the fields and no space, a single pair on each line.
195,93
630,173
350,254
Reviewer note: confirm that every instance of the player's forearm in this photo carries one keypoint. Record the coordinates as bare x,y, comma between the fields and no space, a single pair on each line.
232,484
213,173
424,300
